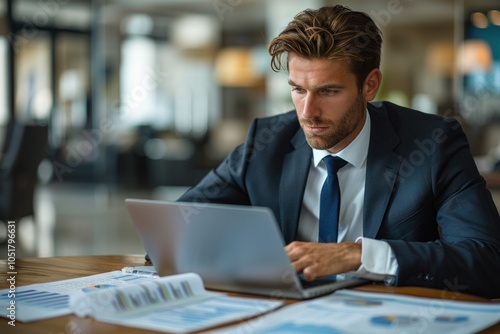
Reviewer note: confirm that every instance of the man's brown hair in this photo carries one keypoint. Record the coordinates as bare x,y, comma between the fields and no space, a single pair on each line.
337,33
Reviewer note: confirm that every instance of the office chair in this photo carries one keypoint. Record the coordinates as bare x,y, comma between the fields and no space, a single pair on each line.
24,150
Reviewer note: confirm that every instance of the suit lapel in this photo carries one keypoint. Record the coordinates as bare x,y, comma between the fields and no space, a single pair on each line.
381,170
292,185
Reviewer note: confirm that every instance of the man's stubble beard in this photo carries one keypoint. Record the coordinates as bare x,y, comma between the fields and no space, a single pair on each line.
339,130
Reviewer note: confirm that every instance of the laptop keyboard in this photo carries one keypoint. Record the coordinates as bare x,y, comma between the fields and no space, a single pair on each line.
312,284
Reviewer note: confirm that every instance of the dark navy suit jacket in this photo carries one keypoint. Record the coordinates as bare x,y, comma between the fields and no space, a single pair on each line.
423,193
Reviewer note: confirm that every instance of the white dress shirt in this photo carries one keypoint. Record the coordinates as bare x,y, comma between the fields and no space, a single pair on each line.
377,259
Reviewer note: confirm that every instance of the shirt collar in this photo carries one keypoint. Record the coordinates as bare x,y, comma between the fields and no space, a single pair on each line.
355,153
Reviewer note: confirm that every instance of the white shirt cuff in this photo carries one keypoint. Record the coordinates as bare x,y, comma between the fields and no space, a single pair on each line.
378,261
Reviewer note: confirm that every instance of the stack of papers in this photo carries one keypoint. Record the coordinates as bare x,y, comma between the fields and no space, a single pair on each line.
49,300
176,304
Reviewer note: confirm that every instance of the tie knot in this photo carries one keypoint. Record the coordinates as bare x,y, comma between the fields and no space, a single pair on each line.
333,164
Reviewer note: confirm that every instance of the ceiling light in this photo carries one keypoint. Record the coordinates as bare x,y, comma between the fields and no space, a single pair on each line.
474,55
494,16
479,20
196,31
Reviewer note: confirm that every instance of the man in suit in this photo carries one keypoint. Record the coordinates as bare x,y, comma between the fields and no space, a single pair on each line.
414,210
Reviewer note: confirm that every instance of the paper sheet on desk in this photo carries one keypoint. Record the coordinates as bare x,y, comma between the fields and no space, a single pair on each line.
362,312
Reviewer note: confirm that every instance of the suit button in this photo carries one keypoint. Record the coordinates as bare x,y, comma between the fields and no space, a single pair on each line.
419,276
429,277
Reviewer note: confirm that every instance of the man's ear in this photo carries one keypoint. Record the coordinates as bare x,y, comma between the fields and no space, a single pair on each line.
372,84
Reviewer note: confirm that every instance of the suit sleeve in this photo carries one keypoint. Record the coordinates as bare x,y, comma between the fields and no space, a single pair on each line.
466,257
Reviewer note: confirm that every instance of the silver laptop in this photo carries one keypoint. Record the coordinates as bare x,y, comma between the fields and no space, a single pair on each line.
233,248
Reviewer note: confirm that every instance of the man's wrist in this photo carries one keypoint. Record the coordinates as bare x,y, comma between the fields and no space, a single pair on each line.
356,256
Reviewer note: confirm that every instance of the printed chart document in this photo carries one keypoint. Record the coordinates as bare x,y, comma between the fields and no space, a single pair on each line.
363,312
48,300
177,304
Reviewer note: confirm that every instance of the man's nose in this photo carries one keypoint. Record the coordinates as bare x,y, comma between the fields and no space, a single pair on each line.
310,108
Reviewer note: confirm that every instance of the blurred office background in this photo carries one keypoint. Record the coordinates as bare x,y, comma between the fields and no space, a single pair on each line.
141,98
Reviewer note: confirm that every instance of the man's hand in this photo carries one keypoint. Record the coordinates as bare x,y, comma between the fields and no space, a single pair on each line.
322,259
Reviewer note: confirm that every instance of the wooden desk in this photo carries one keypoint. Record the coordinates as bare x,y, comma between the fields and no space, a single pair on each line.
42,270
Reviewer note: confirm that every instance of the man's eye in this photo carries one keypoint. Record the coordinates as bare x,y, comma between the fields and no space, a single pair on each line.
329,90
297,90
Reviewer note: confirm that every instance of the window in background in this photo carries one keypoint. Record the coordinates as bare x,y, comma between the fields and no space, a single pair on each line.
72,111
168,83
196,93
33,83
4,113
479,63
138,83
142,102
3,18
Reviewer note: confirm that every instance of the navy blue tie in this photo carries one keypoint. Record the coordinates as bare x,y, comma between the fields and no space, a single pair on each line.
329,204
